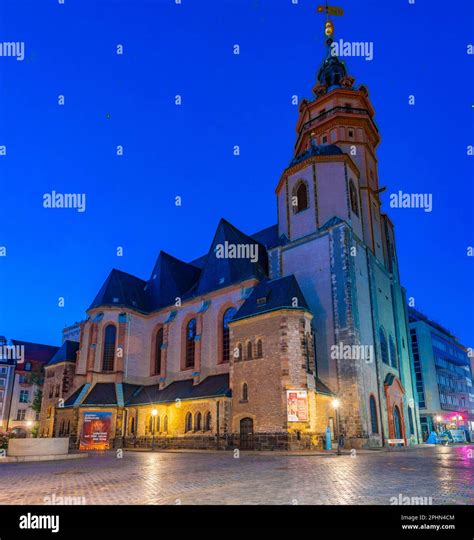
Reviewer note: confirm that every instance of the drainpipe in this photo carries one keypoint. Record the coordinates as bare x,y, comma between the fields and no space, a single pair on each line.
369,274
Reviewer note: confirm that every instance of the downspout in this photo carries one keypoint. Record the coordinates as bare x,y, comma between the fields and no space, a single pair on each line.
369,274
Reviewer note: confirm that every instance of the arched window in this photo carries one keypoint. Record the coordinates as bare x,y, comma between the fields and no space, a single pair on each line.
108,357
301,194
158,424
383,346
165,424
393,353
190,343
259,348
150,424
245,392
353,198
249,351
373,415
198,422
132,425
207,421
189,422
68,427
157,356
226,333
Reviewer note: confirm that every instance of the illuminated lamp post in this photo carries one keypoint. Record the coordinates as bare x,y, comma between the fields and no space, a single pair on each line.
154,412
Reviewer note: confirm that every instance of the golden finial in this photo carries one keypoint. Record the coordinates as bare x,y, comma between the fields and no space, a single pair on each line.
329,26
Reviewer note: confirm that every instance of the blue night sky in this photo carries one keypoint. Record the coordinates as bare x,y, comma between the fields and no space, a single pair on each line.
187,150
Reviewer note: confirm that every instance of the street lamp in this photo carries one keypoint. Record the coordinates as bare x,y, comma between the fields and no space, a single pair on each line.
154,412
336,404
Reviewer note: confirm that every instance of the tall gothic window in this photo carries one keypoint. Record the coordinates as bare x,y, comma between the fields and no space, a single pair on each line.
190,343
189,422
226,333
245,392
301,194
198,422
373,415
157,357
249,351
259,349
353,198
108,357
207,421
383,346
393,353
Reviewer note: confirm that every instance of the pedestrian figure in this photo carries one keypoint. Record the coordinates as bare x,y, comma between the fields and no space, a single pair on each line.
340,443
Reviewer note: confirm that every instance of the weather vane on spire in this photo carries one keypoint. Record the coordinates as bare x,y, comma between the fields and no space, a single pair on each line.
329,26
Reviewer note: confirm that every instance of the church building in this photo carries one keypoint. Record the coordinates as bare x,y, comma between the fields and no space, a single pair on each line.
270,338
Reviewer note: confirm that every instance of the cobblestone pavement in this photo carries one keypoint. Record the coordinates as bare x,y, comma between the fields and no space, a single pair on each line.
445,474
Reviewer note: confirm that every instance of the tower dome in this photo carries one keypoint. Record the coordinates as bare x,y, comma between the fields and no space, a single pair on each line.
332,71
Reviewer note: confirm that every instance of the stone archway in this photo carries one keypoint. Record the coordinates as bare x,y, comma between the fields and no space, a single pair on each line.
394,393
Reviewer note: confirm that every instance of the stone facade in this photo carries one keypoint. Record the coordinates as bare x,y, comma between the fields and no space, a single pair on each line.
322,288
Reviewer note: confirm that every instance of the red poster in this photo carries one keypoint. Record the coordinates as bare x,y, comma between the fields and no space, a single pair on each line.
95,432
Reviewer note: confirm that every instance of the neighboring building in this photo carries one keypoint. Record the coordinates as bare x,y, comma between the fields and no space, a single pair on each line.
73,332
248,344
443,375
27,382
7,376
58,383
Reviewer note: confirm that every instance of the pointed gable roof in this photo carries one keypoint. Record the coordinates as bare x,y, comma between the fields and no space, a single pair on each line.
171,278
221,271
122,289
273,295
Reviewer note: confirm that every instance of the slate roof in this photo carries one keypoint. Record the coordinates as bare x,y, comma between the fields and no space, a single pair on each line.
317,150
272,295
171,278
101,394
321,388
67,353
214,385
220,272
72,398
122,289
332,222
134,394
36,351
268,237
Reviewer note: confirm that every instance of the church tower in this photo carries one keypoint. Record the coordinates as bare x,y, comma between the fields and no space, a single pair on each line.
341,248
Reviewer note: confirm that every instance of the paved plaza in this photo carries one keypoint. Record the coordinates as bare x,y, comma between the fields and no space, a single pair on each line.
371,477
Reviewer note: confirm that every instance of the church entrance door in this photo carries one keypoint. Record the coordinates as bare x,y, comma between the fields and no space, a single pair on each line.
246,434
